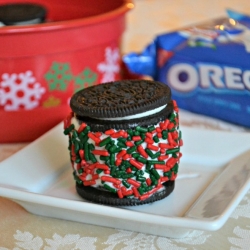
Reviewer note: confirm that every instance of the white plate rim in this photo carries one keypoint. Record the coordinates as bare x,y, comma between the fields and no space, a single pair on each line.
83,207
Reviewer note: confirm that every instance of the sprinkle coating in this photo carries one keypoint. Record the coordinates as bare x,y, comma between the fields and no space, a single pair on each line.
129,163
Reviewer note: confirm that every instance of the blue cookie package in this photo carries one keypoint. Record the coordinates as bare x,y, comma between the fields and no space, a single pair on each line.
207,66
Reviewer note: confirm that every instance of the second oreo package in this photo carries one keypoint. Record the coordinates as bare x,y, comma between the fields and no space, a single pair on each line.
207,67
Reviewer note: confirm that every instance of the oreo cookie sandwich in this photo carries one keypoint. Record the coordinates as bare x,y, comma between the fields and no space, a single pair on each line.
22,13
124,142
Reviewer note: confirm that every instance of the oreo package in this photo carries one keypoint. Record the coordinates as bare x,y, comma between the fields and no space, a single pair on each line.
207,67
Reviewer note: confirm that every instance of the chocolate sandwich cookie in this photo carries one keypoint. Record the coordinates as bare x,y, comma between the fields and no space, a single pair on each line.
111,105
22,13
124,142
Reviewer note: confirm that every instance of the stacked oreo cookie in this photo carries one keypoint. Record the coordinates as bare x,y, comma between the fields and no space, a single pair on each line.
124,142
22,13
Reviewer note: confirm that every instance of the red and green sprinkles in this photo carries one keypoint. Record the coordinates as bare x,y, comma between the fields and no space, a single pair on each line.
130,163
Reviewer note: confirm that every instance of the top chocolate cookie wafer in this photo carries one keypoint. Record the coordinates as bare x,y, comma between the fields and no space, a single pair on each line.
120,98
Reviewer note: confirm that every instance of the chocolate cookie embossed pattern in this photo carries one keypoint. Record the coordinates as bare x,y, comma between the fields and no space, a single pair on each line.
124,142
112,100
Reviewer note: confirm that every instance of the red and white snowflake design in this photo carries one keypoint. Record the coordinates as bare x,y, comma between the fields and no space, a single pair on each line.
111,65
20,91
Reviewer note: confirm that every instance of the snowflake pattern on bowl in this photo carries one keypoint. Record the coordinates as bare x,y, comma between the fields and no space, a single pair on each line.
20,91
110,66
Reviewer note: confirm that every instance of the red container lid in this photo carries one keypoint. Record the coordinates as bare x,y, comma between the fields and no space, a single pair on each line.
65,19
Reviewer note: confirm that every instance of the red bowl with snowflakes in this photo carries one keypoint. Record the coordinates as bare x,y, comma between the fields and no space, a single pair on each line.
42,65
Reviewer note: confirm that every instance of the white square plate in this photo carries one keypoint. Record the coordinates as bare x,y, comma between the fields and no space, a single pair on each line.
213,177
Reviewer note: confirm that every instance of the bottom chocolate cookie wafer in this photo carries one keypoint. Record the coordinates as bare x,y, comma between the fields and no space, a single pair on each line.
107,198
